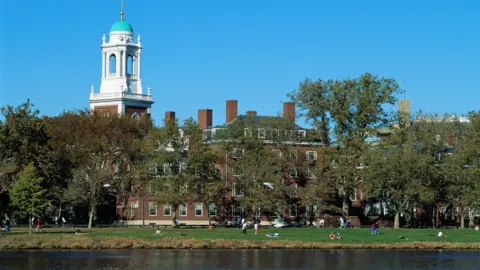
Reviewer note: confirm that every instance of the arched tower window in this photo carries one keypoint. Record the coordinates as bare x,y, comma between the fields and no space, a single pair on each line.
113,64
129,65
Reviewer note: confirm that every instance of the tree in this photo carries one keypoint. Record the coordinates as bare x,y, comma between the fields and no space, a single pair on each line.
319,193
346,113
395,174
96,144
27,194
201,171
170,158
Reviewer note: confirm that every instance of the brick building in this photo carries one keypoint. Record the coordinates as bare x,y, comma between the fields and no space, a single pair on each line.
145,210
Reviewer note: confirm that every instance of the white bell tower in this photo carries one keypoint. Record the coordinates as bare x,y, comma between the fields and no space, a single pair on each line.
121,84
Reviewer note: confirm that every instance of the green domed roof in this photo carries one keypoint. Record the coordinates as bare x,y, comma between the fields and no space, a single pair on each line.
121,26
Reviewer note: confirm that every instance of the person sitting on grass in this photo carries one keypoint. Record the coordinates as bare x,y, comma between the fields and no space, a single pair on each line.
403,237
441,235
158,232
332,236
77,232
274,235
339,237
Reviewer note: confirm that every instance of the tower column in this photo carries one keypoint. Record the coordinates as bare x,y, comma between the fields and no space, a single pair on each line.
124,64
103,65
138,65
118,59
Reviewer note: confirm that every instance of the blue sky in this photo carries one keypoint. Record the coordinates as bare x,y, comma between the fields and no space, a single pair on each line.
197,54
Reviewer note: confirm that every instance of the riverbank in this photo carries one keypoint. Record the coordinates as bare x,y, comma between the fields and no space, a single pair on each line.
30,242
290,238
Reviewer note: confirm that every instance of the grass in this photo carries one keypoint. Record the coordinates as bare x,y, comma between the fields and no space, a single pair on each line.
233,238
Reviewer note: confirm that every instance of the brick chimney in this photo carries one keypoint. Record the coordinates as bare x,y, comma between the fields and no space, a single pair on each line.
251,113
205,117
169,116
232,110
289,111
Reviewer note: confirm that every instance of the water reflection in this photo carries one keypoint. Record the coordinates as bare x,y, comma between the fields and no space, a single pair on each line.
244,259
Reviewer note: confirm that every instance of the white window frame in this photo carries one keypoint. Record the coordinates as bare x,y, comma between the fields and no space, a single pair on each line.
210,211
201,209
238,152
290,210
354,196
248,132
307,154
151,206
262,133
132,209
301,133
293,191
234,193
169,207
241,208
180,209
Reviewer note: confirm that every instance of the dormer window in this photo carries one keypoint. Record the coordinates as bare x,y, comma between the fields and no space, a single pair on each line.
311,155
301,133
248,132
237,153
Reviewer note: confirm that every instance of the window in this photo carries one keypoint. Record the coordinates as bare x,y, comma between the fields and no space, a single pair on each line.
129,65
301,133
310,173
311,155
152,209
237,211
237,153
183,210
212,209
262,133
207,134
113,64
237,190
199,209
293,173
248,132
167,210
182,167
237,171
293,210
132,209
273,134
353,196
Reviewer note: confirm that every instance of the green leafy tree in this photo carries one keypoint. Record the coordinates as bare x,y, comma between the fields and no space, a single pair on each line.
27,194
396,173
346,113
170,156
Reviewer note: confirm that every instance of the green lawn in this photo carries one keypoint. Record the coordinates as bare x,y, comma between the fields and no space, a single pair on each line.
293,234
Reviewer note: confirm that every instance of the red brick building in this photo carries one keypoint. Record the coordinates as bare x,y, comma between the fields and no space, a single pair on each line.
146,210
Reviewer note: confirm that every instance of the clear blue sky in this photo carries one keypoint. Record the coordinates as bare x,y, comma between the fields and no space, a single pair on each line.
197,54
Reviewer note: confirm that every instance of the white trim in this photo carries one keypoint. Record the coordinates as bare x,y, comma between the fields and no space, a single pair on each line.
233,190
132,209
169,210
216,209
263,132
307,154
150,209
201,209
180,209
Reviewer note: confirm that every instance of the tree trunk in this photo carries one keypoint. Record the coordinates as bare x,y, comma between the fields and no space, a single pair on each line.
471,220
396,223
437,221
90,219
345,206
174,217
460,216
29,224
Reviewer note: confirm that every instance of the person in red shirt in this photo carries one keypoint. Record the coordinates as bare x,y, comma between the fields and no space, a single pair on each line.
39,225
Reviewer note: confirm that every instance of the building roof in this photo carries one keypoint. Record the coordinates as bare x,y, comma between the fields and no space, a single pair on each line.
122,26
259,120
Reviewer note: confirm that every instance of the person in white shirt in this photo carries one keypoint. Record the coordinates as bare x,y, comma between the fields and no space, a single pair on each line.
244,227
255,226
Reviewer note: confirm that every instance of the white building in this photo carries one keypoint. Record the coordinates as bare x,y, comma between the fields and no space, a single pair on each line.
121,82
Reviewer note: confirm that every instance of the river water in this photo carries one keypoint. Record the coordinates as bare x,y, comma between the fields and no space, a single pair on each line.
240,259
